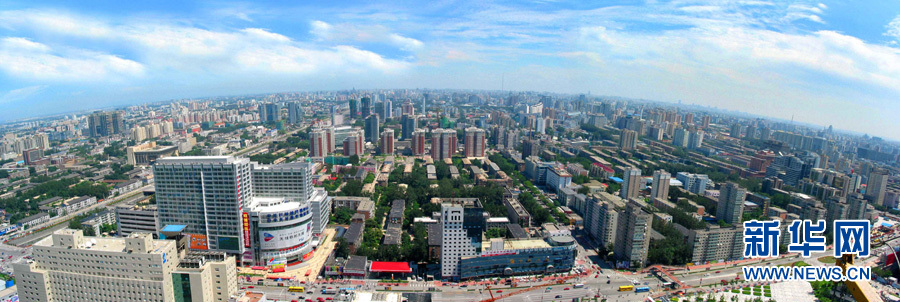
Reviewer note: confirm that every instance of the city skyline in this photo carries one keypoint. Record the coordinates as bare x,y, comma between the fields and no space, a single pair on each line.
814,61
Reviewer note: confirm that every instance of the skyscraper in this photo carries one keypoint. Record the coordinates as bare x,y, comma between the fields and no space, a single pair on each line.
633,235
731,203
877,186
443,144
531,147
681,137
337,118
106,123
354,108
320,142
354,144
696,140
371,128
627,139
366,106
387,141
631,187
269,112
474,142
418,142
407,108
295,113
408,124
462,225
660,188
388,109
207,195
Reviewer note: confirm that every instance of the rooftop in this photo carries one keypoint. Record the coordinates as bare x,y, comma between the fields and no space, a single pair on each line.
518,244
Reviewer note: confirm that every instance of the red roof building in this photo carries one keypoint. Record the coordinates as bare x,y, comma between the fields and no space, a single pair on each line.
390,267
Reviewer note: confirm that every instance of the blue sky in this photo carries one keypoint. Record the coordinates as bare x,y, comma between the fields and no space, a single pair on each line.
829,62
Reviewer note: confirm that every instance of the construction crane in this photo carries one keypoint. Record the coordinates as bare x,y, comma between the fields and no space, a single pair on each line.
861,290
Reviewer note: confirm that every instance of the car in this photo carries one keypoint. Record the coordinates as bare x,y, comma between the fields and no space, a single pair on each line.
558,297
294,301
329,298
566,288
243,287
309,300
251,286
718,272
499,291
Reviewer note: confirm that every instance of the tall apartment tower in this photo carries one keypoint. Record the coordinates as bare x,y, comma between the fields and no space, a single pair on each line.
206,194
418,142
695,141
408,124
660,188
633,235
102,124
632,185
387,141
366,106
135,268
337,118
474,142
462,225
295,113
407,108
877,186
354,144
627,139
320,142
681,137
354,108
443,144
388,109
731,203
269,112
371,128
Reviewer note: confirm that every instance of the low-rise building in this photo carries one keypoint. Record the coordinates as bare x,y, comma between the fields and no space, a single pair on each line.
33,220
131,219
504,257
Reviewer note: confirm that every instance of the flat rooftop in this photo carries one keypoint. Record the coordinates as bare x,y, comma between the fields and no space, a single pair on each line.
111,244
518,244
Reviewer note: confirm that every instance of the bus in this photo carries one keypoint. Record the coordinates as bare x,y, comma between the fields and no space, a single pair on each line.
296,289
579,285
626,288
642,289
329,291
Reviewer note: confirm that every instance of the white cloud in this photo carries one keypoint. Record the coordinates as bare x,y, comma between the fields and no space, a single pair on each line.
266,35
21,57
352,33
21,93
54,22
893,28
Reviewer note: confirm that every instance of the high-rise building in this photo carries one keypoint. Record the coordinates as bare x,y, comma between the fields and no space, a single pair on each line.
354,108
731,203
633,235
320,142
696,140
705,121
292,181
531,147
418,142
207,195
660,188
876,186
269,112
632,185
627,139
366,106
295,113
354,144
714,243
106,123
388,109
387,141
69,267
443,144
462,225
371,128
408,124
407,109
474,142
131,219
601,216
681,137
337,118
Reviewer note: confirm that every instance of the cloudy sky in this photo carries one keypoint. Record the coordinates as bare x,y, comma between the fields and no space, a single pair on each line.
831,62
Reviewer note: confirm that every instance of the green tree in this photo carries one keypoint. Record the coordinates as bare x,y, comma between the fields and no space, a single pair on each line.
495,233
354,159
